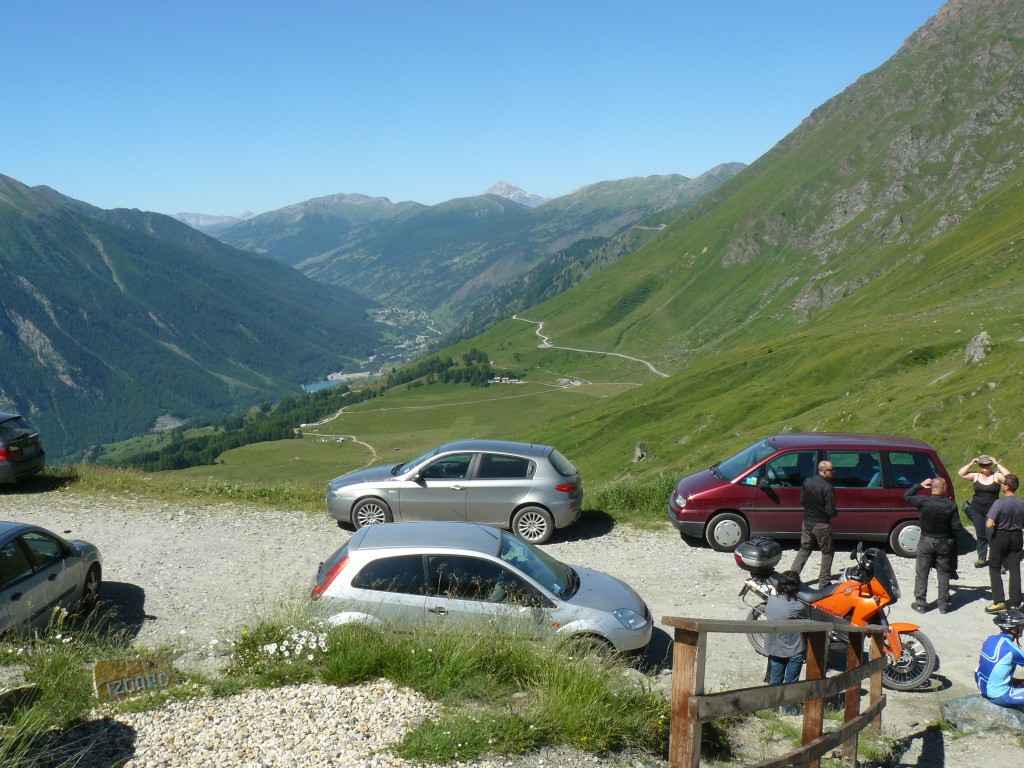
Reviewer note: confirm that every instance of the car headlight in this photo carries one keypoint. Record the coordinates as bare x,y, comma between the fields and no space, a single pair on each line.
680,501
629,619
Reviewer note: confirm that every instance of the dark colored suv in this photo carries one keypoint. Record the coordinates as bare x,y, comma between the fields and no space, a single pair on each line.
21,450
757,491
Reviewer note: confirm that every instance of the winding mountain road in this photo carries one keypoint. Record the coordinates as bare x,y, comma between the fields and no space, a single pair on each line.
545,343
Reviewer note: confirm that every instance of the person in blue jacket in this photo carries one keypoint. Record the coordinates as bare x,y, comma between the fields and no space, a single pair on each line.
1000,655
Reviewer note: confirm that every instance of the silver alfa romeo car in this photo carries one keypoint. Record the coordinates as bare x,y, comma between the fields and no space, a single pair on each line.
525,488
409,574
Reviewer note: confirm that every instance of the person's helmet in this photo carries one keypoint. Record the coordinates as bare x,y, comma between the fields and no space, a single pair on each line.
1009,620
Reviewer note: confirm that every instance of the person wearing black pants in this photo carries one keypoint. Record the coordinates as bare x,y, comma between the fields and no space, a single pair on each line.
818,497
1005,523
987,482
940,522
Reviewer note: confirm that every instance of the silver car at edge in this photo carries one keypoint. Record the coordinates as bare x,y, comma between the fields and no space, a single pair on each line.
463,574
40,573
525,488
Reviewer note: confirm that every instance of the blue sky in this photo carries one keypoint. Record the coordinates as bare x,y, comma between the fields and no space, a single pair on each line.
219,107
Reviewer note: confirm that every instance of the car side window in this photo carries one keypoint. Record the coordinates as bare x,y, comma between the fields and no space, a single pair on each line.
14,564
790,469
856,469
43,550
495,466
393,574
451,467
463,577
909,467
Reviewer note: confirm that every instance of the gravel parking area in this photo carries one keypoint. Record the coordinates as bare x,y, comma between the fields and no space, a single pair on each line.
185,575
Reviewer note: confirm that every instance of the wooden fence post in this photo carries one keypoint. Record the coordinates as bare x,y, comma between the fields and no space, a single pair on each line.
814,709
854,651
688,655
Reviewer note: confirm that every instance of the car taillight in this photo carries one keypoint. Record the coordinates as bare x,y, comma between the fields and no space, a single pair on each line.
321,586
5,453
566,488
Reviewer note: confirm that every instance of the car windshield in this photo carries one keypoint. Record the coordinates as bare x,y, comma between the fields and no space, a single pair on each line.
735,466
555,576
401,469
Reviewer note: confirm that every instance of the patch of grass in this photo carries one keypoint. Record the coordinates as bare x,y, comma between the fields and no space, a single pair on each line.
176,486
59,662
501,691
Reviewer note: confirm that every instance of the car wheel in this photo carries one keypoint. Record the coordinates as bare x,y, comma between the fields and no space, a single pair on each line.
371,512
533,524
726,531
590,644
91,589
904,538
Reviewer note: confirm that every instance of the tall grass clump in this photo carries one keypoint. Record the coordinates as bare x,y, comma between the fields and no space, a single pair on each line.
502,691
638,501
58,662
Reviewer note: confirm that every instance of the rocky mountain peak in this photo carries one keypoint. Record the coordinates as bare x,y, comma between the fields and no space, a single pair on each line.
515,194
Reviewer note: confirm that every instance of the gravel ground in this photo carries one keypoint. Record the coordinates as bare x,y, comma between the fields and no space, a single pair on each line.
186,575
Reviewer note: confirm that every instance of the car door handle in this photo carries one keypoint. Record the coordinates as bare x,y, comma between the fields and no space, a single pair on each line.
458,487
52,577
440,610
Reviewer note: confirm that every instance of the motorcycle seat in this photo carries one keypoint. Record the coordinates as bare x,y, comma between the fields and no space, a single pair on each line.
812,595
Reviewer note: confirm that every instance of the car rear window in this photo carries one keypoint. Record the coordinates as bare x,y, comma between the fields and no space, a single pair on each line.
13,429
504,467
403,573
562,465
911,467
14,564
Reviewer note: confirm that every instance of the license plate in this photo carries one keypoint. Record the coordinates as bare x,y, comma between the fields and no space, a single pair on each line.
28,450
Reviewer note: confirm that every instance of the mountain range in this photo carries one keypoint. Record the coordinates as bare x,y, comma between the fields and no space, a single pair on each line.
115,321
440,258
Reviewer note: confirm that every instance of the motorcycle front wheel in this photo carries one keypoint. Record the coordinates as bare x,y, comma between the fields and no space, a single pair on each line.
914,666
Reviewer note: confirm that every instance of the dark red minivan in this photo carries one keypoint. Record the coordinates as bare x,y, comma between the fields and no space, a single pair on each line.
757,491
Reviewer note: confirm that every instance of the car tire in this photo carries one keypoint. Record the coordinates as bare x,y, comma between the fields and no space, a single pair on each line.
726,531
372,511
91,589
904,538
533,524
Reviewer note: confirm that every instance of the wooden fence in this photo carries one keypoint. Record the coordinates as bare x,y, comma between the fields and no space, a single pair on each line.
691,707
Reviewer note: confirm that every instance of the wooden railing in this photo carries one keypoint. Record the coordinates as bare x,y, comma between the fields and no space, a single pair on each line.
691,707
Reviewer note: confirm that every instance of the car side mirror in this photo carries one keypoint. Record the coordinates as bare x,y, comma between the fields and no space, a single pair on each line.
763,482
74,551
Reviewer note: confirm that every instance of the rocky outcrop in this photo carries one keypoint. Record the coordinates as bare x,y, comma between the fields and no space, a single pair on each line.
975,713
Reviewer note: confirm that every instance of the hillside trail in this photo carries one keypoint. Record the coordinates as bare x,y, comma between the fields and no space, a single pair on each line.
545,343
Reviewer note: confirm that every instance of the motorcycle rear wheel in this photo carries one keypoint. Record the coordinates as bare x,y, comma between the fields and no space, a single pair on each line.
756,638
914,666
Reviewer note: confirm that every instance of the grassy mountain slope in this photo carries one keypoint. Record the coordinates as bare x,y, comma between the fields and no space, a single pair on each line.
109,319
836,282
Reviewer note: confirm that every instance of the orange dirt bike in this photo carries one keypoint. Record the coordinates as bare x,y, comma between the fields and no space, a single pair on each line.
861,598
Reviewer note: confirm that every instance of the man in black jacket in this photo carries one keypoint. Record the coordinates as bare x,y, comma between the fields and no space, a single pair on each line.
940,521
819,501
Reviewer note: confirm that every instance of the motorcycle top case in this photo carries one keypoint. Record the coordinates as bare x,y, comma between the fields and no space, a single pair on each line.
758,556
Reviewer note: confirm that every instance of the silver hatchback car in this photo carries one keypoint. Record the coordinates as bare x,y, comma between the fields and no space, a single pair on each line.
410,574
525,488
